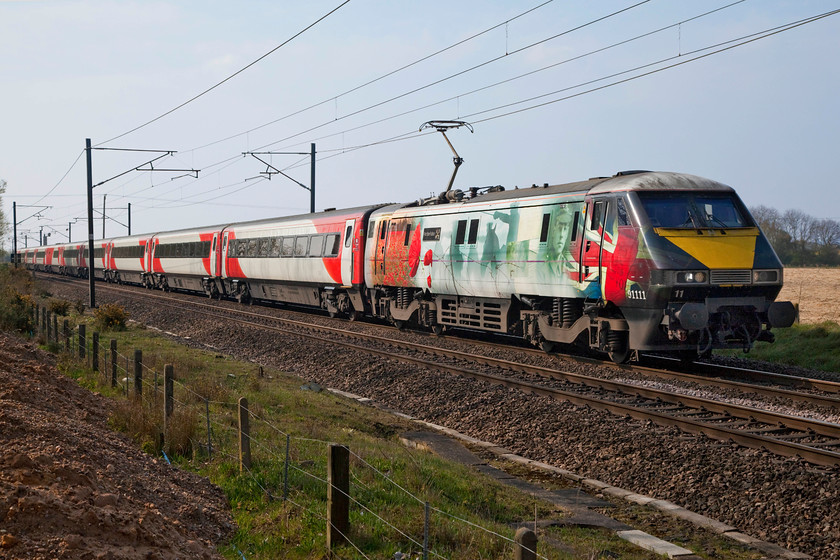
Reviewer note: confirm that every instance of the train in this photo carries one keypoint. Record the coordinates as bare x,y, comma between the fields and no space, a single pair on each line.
640,261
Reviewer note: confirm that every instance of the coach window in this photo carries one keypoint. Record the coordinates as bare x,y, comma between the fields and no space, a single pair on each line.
301,245
621,210
262,250
597,215
461,232
332,245
178,249
383,229
288,247
252,248
316,246
347,235
276,243
546,220
473,232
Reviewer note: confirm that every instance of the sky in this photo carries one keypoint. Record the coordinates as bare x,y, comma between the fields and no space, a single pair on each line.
556,91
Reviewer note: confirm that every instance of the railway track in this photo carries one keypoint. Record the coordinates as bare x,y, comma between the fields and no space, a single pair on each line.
815,441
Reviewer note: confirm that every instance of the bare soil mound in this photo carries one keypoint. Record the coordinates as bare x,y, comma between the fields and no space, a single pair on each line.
70,487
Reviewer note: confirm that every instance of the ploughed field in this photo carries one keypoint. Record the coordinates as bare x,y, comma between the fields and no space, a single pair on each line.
816,290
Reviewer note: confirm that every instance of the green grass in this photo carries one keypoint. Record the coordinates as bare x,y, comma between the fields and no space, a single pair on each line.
808,346
270,527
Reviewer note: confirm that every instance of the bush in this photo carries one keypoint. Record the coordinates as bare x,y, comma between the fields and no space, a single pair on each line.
59,307
144,423
110,316
15,302
79,306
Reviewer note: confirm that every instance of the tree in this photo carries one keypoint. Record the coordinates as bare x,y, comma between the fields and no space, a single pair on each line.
827,240
770,222
800,227
798,238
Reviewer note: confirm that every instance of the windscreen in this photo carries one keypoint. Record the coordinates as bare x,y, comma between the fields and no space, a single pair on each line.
693,210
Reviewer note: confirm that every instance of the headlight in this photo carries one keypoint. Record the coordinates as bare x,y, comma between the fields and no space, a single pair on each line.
692,277
766,276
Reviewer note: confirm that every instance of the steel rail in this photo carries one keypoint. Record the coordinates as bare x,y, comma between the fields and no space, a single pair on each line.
746,438
715,370
749,439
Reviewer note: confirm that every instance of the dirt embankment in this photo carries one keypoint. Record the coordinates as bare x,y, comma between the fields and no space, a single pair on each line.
70,487
816,290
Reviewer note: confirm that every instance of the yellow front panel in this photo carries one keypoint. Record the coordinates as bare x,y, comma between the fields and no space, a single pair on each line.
715,248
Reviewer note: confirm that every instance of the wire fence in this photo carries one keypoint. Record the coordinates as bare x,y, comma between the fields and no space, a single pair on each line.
298,471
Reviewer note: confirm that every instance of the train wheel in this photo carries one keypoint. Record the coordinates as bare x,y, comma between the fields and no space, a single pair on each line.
399,325
353,315
437,330
620,357
620,352
547,346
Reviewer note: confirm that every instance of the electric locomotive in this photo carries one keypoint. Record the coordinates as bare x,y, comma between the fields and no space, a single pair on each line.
647,261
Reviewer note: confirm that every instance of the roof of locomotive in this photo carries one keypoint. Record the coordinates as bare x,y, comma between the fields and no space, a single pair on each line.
626,181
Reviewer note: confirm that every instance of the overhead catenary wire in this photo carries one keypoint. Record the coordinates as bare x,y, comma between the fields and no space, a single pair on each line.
514,78
377,79
460,73
766,34
516,51
211,88
340,151
508,53
744,40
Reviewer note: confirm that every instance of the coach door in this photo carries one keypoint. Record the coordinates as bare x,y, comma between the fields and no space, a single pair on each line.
379,254
592,246
147,255
348,252
214,255
223,255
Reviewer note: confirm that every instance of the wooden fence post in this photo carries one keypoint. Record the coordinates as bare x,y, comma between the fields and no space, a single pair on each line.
55,328
113,362
526,544
338,495
47,326
67,336
168,400
82,345
138,373
94,351
244,436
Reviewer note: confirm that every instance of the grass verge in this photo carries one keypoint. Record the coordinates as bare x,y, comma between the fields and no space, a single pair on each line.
389,482
808,346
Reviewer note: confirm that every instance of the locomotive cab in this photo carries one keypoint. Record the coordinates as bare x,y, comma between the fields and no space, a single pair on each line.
704,276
